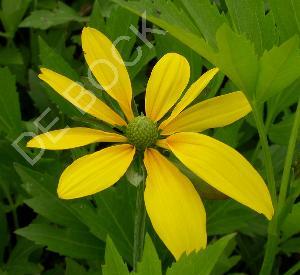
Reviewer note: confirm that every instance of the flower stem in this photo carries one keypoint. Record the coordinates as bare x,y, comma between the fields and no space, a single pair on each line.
289,158
274,228
140,217
266,152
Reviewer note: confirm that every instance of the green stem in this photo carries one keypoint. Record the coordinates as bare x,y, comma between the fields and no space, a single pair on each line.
140,218
273,232
266,152
289,159
272,243
269,121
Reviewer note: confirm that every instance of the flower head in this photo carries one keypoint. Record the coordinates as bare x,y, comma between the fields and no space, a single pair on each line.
172,203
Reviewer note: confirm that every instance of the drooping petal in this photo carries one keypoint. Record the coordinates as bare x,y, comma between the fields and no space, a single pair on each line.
223,168
72,137
79,97
211,113
190,95
173,205
108,67
168,80
95,172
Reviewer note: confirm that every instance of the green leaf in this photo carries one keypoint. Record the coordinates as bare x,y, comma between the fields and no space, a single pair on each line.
287,17
284,99
205,261
65,241
226,216
150,263
10,56
291,246
114,264
12,13
118,28
10,115
45,201
72,268
237,59
206,17
279,68
115,213
279,133
97,19
291,225
3,230
52,60
19,261
169,17
44,19
248,17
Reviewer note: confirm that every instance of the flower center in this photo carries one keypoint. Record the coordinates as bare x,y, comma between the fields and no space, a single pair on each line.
142,132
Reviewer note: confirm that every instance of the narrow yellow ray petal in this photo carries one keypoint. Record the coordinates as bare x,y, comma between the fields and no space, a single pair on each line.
107,65
173,205
190,95
95,172
211,113
72,137
223,168
162,143
79,97
168,80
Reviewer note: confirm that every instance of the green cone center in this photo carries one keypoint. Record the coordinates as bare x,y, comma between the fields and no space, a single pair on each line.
142,132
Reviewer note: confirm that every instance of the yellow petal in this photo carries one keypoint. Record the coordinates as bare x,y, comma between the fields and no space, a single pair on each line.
95,172
223,168
108,67
173,205
211,113
79,97
72,137
168,80
190,95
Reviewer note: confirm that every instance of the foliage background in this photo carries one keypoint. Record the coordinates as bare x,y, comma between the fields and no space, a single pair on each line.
255,43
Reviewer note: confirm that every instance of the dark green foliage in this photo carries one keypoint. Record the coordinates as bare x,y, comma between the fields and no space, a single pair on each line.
255,43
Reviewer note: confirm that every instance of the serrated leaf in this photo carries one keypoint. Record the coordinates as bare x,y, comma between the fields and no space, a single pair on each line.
248,17
10,115
114,264
237,59
287,17
206,17
169,17
279,68
202,262
65,241
44,19
150,263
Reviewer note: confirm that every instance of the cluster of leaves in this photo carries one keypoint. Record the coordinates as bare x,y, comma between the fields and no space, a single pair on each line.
255,43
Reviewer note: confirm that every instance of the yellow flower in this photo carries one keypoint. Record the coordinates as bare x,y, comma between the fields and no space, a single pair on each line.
172,203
